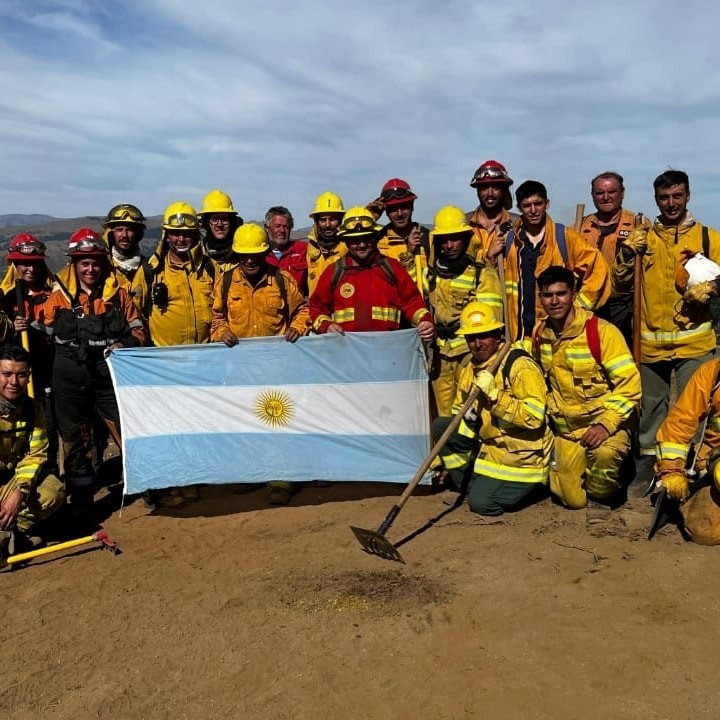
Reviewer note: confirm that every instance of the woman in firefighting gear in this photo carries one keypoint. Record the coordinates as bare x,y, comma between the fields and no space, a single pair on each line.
28,277
219,221
697,406
594,389
124,230
503,444
454,281
324,245
88,316
365,290
175,289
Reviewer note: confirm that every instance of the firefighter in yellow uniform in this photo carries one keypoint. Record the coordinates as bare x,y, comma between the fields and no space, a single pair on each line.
176,294
124,229
697,405
257,299
454,281
219,221
492,184
594,389
28,493
503,444
324,245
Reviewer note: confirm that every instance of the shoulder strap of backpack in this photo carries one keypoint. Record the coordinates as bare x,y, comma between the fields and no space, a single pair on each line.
338,270
148,276
225,287
509,239
282,289
592,336
561,242
706,241
210,268
512,356
384,263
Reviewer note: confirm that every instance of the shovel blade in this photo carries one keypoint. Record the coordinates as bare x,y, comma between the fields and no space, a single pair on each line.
661,514
376,544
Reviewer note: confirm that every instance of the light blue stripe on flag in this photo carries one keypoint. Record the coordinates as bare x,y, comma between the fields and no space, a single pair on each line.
347,408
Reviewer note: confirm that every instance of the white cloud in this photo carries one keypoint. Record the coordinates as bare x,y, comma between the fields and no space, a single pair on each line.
276,102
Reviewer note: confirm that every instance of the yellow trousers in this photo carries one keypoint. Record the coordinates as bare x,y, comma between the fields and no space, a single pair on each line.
578,473
445,385
47,497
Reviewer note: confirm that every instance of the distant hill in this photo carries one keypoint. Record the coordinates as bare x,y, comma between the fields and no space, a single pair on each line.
22,220
54,232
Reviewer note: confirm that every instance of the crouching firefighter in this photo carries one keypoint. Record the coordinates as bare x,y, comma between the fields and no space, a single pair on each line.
697,411
88,315
29,493
594,388
503,444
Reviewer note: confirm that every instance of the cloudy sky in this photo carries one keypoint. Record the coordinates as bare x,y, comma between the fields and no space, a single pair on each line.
152,101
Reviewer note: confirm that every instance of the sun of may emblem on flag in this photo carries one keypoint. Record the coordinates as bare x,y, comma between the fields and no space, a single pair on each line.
274,408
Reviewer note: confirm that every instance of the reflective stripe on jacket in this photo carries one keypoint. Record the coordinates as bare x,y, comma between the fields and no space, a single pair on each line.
23,451
583,393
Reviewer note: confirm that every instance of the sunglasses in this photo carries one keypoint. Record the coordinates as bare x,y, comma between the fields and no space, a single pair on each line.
181,220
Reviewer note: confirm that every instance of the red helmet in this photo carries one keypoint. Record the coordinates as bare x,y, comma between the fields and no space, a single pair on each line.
86,243
491,171
25,247
397,192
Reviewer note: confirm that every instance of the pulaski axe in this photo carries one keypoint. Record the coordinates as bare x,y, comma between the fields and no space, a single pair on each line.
374,541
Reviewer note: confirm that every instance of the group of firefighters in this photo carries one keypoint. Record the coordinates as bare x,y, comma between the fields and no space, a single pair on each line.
532,318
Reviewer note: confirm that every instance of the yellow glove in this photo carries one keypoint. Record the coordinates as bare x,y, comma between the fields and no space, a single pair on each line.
636,241
677,486
486,383
702,292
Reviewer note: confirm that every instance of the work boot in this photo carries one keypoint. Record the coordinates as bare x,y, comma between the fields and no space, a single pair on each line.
644,474
596,513
279,493
82,495
6,538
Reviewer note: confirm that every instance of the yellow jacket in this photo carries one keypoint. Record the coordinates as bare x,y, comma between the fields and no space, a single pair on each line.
585,261
583,393
23,450
696,402
318,259
186,318
449,295
482,237
258,311
670,328
515,441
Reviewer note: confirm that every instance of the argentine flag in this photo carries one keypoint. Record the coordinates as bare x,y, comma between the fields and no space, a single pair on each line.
328,407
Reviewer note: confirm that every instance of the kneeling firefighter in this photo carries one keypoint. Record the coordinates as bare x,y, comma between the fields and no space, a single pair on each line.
88,315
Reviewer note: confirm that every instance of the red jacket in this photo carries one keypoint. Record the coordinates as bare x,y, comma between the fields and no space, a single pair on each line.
293,260
366,298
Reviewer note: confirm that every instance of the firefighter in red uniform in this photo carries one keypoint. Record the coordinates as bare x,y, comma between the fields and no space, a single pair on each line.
287,254
365,290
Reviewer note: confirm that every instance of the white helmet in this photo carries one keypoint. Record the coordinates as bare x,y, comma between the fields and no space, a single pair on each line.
701,269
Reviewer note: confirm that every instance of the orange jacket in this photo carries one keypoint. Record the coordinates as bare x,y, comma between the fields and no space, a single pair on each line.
482,237
585,261
608,245
696,402
257,311
365,298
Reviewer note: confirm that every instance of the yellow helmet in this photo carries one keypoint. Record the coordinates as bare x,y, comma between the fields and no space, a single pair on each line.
328,202
358,220
477,318
180,216
250,239
216,201
449,220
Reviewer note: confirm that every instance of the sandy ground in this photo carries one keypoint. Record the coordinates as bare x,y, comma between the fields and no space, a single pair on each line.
233,609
